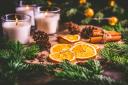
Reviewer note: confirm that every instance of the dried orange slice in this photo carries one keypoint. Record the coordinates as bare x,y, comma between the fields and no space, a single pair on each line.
84,51
60,56
68,38
60,48
94,45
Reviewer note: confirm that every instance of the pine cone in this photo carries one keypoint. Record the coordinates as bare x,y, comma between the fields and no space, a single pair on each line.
40,36
73,28
87,31
44,45
42,39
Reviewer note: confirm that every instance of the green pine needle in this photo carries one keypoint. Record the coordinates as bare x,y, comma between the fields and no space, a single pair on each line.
94,66
31,51
117,54
125,36
112,50
118,27
90,73
14,55
76,72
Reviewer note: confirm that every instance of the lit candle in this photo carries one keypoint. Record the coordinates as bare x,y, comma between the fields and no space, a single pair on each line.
47,21
46,13
28,10
17,30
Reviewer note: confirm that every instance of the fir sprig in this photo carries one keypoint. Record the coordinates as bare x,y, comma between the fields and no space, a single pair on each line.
17,50
76,72
118,27
89,73
116,54
73,72
31,51
13,56
94,66
125,36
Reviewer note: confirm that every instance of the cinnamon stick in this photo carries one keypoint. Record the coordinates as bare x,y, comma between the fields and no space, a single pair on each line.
96,40
113,38
98,30
104,39
114,33
96,34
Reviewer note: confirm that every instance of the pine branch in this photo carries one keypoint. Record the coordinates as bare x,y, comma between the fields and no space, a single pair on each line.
15,55
94,66
118,27
117,54
31,51
77,72
5,54
125,36
85,74
112,50
15,46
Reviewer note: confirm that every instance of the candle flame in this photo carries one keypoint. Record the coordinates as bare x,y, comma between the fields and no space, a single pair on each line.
46,13
16,20
27,7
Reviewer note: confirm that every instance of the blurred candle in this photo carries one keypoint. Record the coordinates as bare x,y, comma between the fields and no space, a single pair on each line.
17,30
48,20
28,10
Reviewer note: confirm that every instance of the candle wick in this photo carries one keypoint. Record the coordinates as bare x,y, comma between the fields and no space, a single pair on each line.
16,20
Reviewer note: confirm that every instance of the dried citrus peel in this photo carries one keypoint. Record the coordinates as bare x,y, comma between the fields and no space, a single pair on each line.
68,38
60,48
84,51
60,56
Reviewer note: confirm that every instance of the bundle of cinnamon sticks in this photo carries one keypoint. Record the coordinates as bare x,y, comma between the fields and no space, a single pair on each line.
102,36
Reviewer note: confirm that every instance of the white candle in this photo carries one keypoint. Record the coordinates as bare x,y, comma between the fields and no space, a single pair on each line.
47,22
28,10
17,32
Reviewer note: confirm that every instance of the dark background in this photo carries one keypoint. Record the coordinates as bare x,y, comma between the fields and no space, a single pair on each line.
8,6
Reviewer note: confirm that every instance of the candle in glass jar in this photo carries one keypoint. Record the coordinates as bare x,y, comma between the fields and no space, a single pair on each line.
28,10
17,31
47,21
